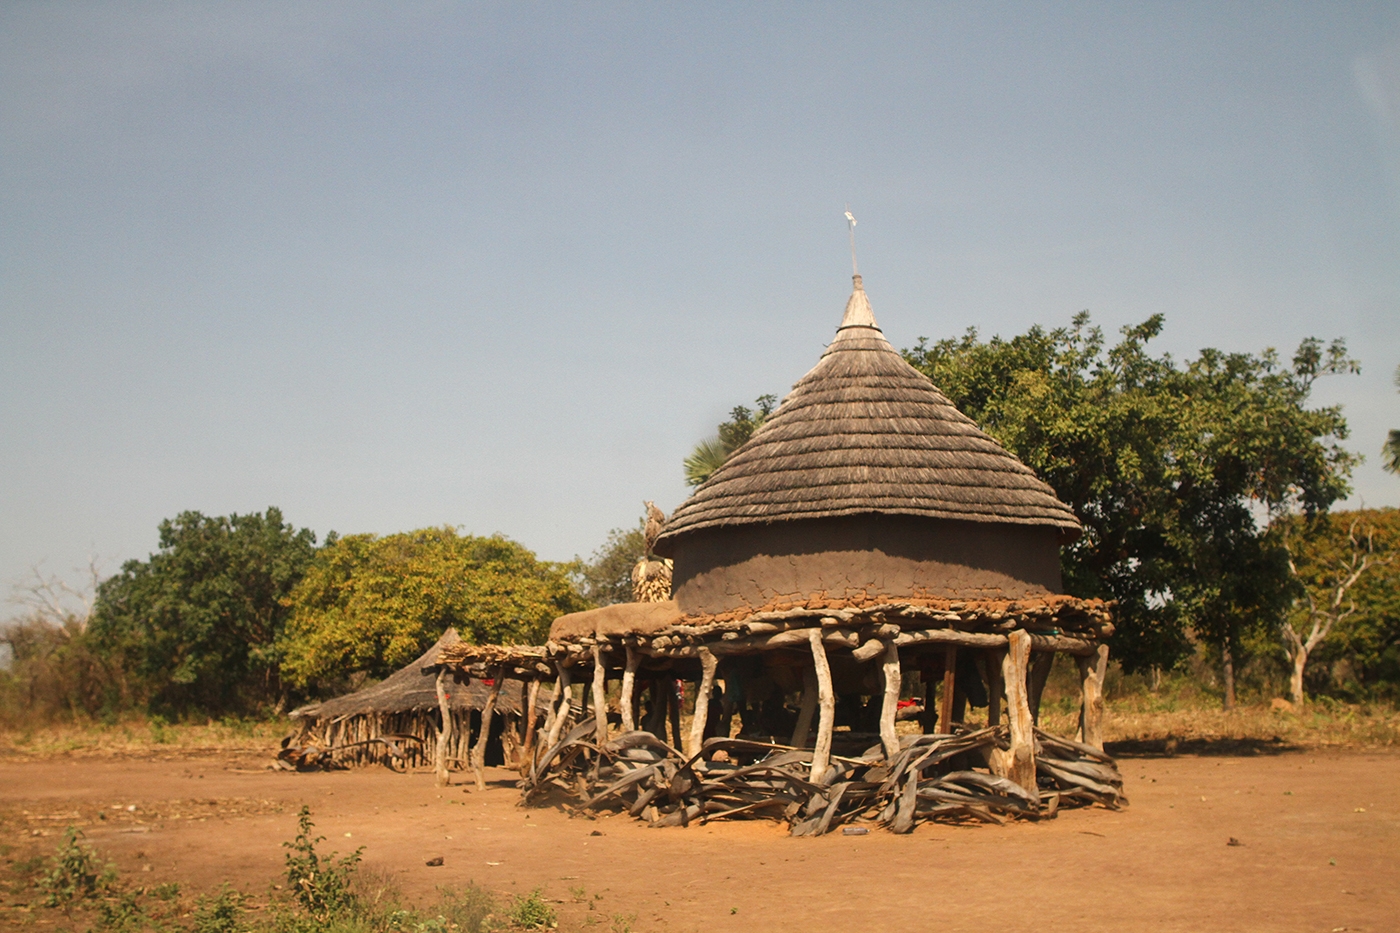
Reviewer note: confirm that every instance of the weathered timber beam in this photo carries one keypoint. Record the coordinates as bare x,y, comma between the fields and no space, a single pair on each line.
807,710
1041,663
445,733
629,686
479,751
945,702
1092,671
826,700
1021,728
889,707
708,664
600,695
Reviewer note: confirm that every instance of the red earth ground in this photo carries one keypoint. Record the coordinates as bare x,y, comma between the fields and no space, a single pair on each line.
1318,848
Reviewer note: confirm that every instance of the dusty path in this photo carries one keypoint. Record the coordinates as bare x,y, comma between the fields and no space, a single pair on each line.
1162,864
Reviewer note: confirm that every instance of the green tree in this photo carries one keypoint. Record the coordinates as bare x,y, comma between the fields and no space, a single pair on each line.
196,625
372,604
1391,451
1346,610
606,577
709,455
1169,466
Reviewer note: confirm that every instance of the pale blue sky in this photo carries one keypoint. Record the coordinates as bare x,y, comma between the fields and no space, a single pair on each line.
501,265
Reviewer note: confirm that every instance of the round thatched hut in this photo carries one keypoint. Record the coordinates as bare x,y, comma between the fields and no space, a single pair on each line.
399,720
866,484
867,534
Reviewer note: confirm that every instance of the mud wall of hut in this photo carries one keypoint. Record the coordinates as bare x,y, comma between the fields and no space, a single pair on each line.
888,556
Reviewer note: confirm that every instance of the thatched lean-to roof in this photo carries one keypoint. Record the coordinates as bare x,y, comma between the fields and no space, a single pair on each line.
865,432
414,689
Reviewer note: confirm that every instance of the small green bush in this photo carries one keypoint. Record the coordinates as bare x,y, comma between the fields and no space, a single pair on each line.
532,912
218,914
323,885
76,872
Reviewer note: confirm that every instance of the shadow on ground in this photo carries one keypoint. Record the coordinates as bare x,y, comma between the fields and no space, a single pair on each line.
1223,747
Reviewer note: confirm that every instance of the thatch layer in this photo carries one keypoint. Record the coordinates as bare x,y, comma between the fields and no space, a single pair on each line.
865,432
414,688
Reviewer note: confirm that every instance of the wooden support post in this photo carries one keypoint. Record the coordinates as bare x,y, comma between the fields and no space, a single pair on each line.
487,711
600,695
629,687
708,664
826,701
890,707
807,710
993,662
445,733
1041,662
1091,675
1020,758
532,700
945,702
563,698
673,712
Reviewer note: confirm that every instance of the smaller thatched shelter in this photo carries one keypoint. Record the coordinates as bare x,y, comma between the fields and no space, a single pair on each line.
398,720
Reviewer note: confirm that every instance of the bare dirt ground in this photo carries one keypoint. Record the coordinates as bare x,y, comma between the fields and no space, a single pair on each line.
1318,833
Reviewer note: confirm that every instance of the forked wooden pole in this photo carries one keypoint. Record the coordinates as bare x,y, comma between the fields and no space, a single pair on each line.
708,664
563,698
802,732
1091,676
826,701
945,702
1021,755
889,708
445,733
532,700
1041,663
993,664
629,687
600,695
487,712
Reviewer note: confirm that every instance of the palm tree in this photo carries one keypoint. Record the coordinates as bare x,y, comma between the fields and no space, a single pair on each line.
709,455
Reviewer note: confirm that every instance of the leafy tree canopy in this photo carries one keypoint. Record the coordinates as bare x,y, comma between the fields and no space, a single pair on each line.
196,624
1362,655
709,455
1168,466
606,577
373,604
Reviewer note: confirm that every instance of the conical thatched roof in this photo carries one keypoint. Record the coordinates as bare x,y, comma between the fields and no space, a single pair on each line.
411,689
865,432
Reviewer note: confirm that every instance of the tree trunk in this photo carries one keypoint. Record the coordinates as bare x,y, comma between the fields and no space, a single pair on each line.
1295,681
1228,665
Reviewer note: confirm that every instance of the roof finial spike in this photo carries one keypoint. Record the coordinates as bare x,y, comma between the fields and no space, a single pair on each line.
851,225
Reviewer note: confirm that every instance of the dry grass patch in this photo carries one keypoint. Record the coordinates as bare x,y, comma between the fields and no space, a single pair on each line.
145,738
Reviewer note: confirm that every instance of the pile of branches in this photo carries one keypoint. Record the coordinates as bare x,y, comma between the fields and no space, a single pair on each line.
934,777
294,756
